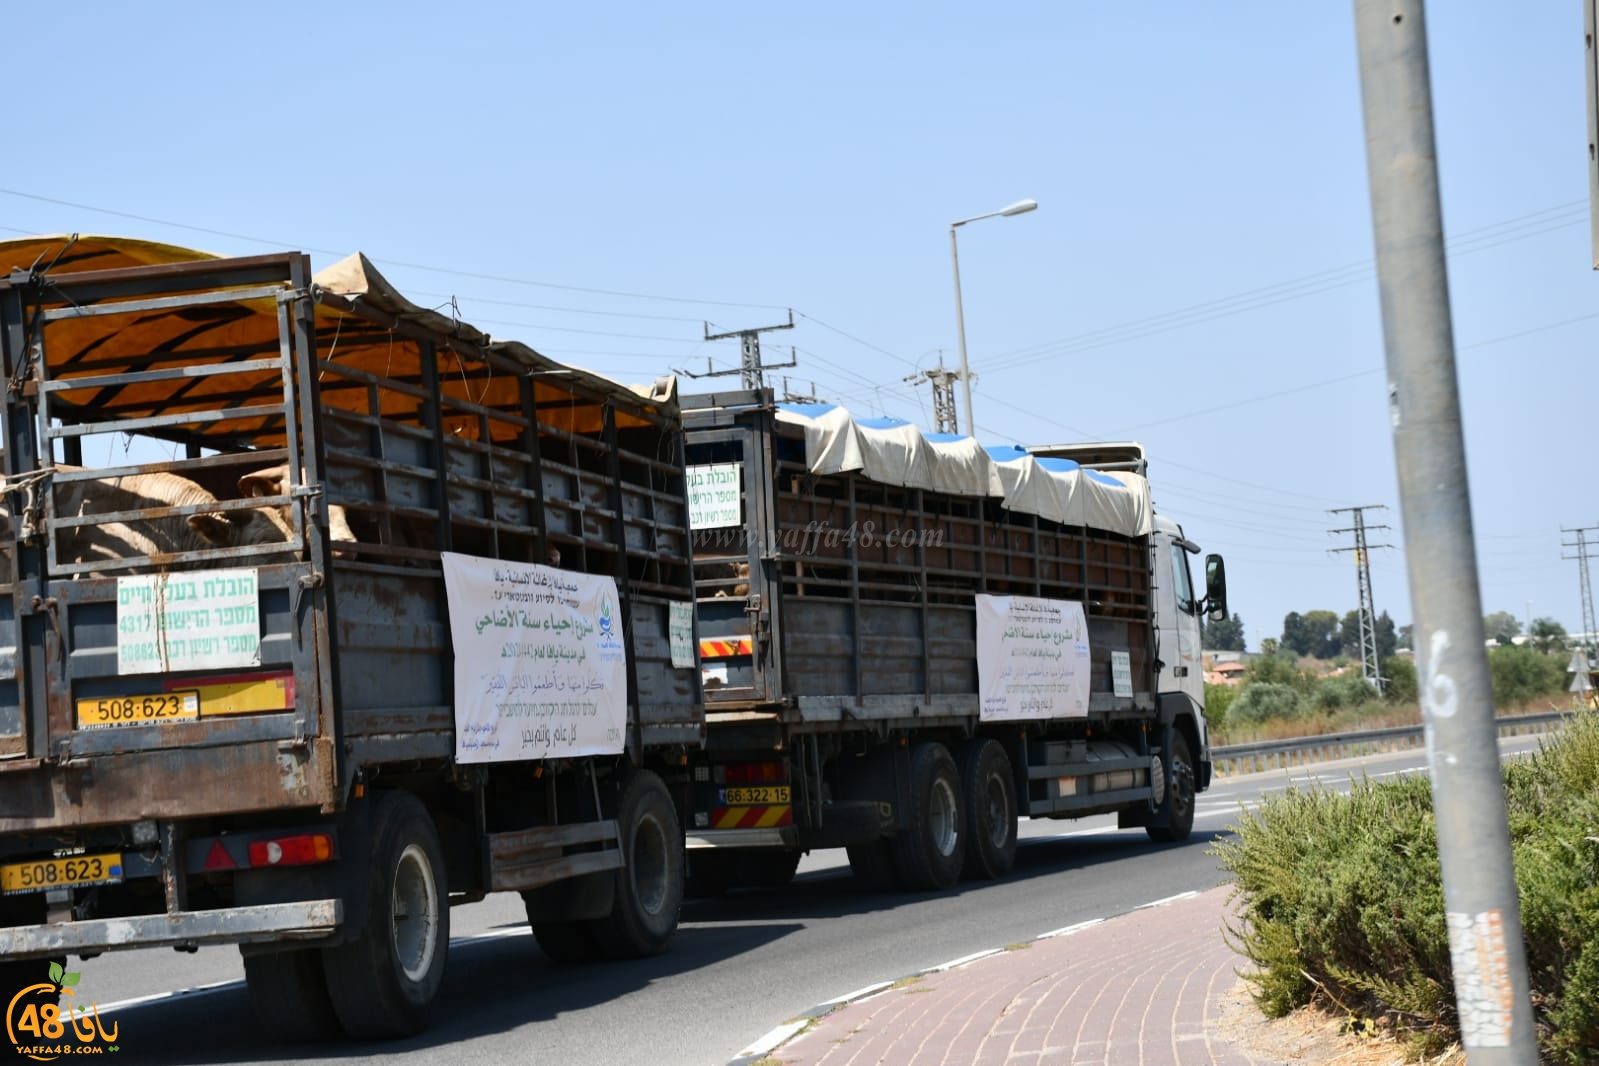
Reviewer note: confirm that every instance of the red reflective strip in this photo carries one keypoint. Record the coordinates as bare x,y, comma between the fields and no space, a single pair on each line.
723,649
752,817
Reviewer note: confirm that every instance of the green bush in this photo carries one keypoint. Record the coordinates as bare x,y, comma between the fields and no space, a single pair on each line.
1277,670
1522,674
1348,689
1260,701
1217,699
1341,899
1400,673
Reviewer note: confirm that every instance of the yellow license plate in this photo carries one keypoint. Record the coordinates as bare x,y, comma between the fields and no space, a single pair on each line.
755,797
77,870
148,709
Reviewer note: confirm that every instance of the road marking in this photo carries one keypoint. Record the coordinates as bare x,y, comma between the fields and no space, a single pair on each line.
963,960
771,1040
182,993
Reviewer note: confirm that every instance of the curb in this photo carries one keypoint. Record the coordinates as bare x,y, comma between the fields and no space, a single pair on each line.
782,1034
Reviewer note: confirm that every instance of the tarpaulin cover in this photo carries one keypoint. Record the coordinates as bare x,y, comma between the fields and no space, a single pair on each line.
897,453
356,311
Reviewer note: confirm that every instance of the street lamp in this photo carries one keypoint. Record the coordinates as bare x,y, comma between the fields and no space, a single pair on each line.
1020,207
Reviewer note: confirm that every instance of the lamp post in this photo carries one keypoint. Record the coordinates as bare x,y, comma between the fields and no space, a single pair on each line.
1020,207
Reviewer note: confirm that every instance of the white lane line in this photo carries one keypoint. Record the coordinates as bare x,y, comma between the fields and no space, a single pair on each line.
182,993
963,960
1070,929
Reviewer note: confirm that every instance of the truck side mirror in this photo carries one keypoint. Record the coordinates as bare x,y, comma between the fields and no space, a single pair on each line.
1216,588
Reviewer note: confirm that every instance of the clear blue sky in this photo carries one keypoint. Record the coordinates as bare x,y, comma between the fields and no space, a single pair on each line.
600,180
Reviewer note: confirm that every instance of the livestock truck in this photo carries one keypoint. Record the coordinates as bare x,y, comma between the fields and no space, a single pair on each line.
908,641
314,746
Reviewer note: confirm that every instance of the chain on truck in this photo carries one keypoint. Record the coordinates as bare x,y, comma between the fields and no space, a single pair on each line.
908,641
374,616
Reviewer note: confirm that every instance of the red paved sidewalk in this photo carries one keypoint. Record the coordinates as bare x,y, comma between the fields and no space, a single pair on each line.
1141,989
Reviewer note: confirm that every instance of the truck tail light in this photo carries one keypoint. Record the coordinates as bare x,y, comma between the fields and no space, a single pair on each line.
299,850
755,773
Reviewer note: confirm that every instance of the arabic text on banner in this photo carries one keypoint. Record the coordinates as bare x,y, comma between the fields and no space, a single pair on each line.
1032,658
540,666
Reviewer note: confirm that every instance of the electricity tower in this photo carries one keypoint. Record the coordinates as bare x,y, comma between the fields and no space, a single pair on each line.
1586,585
944,420
750,366
1370,668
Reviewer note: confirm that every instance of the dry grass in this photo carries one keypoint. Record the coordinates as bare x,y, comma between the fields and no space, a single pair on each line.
1349,720
1312,1036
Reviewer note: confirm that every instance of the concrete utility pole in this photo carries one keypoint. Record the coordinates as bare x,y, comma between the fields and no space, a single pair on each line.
750,365
1370,665
1584,584
944,415
1482,909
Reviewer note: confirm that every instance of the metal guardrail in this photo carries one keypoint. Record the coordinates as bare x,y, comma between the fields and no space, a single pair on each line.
1303,751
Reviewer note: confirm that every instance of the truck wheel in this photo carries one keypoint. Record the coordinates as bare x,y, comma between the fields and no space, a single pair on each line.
649,887
989,790
567,942
290,996
929,853
1179,794
384,982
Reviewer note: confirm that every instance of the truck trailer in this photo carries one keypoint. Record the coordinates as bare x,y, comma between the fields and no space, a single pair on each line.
908,640
324,613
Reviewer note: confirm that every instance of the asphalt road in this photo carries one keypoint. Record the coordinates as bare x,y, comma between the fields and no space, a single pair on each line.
739,966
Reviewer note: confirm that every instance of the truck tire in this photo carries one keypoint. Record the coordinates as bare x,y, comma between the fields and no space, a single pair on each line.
930,851
289,993
567,942
649,886
1179,763
989,789
383,983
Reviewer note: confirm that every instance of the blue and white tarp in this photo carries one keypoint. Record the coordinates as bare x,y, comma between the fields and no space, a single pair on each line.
893,452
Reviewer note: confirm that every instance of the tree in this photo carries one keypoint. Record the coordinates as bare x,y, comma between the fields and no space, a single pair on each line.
1349,633
1323,630
1547,635
1501,626
1295,636
1225,635
1407,637
1387,639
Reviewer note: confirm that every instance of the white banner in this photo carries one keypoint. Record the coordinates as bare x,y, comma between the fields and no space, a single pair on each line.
715,494
680,631
1032,658
540,667
193,620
